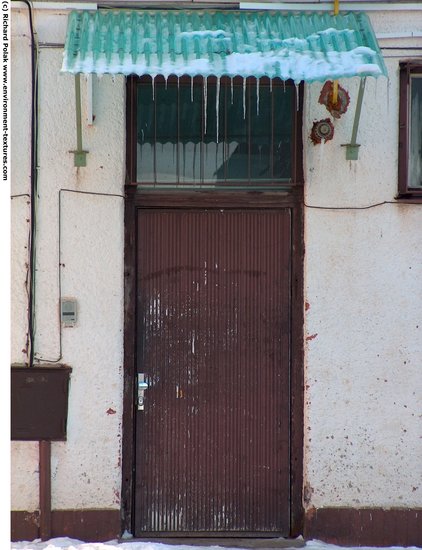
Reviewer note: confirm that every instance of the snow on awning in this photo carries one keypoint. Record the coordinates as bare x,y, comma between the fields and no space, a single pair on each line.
299,46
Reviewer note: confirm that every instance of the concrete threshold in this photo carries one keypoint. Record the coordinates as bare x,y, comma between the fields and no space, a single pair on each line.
258,543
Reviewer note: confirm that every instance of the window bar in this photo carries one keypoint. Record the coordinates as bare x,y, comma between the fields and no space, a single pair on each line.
154,106
225,134
178,135
293,148
248,126
272,134
218,105
201,145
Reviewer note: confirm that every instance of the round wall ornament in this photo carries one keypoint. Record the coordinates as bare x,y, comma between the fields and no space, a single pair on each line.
322,130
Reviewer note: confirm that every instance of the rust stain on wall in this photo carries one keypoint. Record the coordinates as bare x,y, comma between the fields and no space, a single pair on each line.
311,337
326,98
307,493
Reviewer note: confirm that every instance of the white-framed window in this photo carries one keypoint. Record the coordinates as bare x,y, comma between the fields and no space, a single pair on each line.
410,130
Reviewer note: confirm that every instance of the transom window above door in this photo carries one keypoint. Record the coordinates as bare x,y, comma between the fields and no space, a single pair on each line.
216,132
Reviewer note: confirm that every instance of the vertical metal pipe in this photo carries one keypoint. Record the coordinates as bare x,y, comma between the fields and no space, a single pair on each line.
34,185
335,92
335,83
45,489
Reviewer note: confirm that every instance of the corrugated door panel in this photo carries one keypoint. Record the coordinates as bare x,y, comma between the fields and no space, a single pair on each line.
214,324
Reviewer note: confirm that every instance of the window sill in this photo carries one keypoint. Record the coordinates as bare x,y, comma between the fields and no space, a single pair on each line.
409,198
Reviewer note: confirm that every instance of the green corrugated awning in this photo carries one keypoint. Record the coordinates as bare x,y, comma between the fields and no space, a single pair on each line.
299,46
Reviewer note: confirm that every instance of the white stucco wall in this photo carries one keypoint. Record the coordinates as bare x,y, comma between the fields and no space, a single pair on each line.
363,329
86,470
362,282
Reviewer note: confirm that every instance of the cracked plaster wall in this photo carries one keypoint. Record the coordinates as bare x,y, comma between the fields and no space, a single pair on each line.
362,272
86,469
363,329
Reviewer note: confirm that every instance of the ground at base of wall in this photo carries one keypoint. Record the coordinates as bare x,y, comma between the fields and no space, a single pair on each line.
344,527
72,544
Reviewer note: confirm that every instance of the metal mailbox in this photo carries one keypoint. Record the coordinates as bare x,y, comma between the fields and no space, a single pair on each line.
39,401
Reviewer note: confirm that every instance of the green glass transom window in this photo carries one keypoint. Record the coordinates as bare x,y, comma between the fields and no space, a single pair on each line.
216,132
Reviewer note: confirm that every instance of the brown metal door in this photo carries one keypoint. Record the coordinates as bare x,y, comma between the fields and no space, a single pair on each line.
212,443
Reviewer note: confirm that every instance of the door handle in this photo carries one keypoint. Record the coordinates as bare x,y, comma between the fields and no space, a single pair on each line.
142,387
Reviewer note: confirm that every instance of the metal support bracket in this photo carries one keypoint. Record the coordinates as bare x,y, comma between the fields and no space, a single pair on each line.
79,154
352,148
89,100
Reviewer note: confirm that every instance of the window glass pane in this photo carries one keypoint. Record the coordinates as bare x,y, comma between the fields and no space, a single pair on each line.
213,146
415,153
190,129
237,147
145,135
166,148
283,100
261,132
177,142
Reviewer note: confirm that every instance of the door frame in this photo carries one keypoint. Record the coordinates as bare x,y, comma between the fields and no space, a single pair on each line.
136,199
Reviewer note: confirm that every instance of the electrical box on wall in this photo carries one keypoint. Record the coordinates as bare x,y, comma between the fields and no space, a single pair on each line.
39,402
68,312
